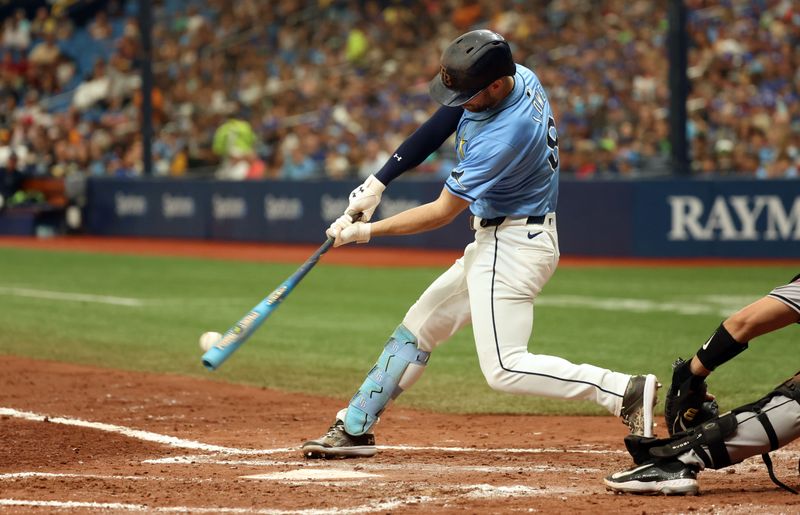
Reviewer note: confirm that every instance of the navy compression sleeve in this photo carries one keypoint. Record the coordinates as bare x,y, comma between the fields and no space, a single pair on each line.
425,140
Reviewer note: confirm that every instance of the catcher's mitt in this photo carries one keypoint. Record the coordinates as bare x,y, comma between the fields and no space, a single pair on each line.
686,404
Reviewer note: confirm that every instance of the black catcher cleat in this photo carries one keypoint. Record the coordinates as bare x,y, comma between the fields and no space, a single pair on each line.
671,477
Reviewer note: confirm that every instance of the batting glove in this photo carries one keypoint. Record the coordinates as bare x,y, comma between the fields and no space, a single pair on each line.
365,199
358,232
344,231
338,225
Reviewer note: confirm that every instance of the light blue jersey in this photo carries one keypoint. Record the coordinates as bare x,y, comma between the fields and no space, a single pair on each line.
508,155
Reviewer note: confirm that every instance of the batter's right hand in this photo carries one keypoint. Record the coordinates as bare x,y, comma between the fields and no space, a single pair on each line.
365,199
343,230
338,226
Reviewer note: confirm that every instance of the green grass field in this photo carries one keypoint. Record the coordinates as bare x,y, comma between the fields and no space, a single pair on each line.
329,332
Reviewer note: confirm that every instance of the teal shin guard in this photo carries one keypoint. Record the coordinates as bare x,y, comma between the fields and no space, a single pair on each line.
382,382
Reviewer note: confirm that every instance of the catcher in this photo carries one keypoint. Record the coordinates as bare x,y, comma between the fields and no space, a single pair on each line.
701,438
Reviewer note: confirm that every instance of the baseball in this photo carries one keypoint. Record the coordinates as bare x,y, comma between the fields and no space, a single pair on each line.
207,340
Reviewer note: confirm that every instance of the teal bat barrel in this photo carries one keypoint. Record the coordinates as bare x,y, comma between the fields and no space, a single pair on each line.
244,328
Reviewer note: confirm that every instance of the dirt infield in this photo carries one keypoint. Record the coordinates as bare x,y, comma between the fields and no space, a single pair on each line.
80,439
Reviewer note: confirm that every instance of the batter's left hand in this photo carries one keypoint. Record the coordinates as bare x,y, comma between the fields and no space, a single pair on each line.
365,199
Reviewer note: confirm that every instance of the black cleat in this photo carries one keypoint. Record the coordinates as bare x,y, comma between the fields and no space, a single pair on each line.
337,443
671,477
640,397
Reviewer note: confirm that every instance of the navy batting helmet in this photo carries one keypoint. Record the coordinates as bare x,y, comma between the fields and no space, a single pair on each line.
469,64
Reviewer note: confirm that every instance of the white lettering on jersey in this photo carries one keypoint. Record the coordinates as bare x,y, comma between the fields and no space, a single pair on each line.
537,99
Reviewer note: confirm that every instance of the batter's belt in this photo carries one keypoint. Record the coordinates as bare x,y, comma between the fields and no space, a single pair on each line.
475,221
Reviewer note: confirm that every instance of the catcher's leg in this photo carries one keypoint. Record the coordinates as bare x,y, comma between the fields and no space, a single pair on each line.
768,424
762,426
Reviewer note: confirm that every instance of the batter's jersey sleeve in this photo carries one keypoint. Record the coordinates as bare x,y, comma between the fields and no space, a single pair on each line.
482,167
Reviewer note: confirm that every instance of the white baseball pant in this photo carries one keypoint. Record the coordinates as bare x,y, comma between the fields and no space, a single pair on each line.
494,286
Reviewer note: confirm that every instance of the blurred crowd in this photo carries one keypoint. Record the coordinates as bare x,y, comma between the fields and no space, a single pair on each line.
301,90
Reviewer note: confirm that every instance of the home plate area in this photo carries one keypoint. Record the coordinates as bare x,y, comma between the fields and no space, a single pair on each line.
79,440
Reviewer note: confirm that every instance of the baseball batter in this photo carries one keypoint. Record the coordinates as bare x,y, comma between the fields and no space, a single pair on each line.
670,465
507,175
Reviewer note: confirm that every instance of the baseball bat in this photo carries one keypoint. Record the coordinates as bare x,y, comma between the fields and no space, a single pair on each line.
247,325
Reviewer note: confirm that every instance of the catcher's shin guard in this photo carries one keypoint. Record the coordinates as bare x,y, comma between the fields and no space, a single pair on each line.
400,364
707,441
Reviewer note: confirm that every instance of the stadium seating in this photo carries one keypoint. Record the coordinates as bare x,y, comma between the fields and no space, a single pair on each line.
296,72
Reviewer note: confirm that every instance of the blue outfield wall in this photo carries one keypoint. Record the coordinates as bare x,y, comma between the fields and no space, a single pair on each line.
678,218
270,211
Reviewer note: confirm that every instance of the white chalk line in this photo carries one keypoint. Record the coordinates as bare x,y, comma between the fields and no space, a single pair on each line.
53,475
491,491
448,468
146,436
199,458
422,467
77,505
70,297
35,293
181,443
213,460
312,475
719,305
322,476
478,491
533,450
